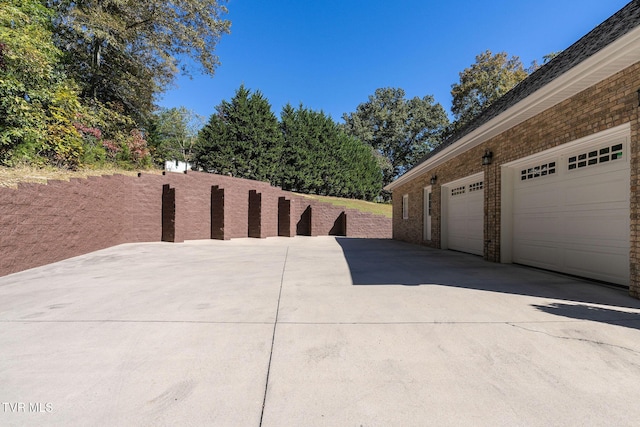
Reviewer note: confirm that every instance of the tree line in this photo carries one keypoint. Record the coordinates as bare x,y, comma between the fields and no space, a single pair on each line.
305,151
308,152
79,81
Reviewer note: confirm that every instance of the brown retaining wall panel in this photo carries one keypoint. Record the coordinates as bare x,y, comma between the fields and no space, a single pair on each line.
44,223
217,212
339,226
168,213
284,217
255,214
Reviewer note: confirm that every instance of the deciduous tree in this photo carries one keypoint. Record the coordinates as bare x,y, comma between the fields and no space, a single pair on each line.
175,132
125,52
38,104
401,130
489,78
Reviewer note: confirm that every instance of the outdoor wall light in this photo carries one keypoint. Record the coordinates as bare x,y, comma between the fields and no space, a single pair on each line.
638,97
434,178
486,158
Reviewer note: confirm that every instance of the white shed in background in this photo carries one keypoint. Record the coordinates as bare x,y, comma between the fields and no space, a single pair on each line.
176,166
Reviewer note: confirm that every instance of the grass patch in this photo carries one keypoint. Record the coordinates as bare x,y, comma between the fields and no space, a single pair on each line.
361,205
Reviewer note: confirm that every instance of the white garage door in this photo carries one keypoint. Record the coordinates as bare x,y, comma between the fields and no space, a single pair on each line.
464,214
571,211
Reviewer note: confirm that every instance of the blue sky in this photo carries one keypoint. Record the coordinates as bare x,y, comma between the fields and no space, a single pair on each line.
331,55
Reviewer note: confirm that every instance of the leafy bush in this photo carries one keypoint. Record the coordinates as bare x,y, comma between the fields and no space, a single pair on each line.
43,119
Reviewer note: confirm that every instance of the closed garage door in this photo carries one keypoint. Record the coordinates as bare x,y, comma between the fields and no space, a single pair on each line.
464,205
571,211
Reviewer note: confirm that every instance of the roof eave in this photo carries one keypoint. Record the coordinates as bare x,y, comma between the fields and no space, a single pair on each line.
613,58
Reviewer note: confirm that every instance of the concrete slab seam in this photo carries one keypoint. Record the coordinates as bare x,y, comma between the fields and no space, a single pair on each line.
273,337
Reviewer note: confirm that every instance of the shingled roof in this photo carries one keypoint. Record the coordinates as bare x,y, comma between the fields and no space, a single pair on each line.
625,20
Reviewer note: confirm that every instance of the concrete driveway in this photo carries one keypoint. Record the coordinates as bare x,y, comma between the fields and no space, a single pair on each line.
312,332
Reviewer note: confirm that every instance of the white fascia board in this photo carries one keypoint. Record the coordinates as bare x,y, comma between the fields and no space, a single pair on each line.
610,60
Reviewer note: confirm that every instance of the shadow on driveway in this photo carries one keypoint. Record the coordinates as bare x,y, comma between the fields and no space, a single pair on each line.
596,314
391,262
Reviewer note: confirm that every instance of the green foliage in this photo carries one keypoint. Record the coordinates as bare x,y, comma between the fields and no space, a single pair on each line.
242,139
483,83
305,135
545,59
37,104
548,57
125,52
306,152
318,157
43,118
174,132
402,131
110,136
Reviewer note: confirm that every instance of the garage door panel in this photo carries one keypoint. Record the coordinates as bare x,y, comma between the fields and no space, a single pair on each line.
475,223
538,199
466,235
598,228
608,266
588,192
576,221
534,226
466,244
540,255
465,215
595,206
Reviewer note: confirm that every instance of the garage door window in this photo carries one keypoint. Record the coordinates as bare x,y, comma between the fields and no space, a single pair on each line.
595,156
476,186
458,190
538,171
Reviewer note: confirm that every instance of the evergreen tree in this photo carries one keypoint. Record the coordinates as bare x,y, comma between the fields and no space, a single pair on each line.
306,152
304,142
242,139
318,157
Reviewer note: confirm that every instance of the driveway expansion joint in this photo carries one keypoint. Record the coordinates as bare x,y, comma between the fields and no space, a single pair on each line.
273,336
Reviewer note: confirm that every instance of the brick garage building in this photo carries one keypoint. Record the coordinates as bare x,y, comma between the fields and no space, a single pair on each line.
548,175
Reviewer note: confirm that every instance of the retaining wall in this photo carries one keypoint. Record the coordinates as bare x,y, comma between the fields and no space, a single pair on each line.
44,223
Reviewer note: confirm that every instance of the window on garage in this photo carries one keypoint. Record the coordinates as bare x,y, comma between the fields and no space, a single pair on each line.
405,206
426,233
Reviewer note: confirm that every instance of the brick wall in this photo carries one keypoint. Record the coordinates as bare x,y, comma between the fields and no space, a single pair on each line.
608,104
44,223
